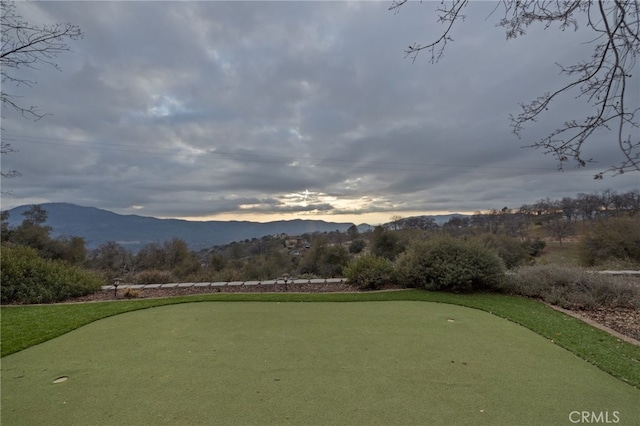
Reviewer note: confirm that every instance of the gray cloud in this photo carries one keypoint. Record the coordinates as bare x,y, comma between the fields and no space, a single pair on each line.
186,109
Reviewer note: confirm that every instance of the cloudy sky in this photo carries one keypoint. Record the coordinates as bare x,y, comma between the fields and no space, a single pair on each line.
281,110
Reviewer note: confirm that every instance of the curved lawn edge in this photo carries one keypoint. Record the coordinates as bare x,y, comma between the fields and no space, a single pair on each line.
25,326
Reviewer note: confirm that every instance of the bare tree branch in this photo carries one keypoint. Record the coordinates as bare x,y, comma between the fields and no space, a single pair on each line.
28,46
6,148
447,15
601,80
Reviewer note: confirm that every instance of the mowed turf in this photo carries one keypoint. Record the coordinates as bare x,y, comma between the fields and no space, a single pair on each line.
387,363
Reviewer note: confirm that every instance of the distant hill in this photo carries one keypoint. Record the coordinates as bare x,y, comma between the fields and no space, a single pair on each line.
441,219
98,226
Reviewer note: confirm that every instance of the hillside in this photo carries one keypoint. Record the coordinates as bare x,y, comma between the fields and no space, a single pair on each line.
98,226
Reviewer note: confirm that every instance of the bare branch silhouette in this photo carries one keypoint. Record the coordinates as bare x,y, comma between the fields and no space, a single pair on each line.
601,80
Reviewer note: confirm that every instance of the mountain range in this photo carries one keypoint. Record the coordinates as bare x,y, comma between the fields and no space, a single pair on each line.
97,226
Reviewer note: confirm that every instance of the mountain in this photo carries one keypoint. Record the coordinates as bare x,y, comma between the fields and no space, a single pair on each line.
98,226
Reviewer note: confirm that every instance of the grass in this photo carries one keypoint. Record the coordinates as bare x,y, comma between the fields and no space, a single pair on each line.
565,254
25,326
393,362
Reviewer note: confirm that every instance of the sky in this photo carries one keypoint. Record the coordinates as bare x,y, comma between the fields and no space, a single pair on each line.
268,110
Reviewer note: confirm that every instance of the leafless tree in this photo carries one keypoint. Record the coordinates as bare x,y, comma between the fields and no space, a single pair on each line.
558,226
603,80
27,46
6,148
395,223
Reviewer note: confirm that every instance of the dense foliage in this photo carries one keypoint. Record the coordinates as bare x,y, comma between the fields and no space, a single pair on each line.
511,250
357,246
369,272
614,239
28,278
33,233
324,259
446,263
385,243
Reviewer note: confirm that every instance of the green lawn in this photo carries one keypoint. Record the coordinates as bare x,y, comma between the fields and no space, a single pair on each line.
392,362
26,326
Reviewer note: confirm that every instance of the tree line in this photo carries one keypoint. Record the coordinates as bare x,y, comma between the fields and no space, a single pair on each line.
508,232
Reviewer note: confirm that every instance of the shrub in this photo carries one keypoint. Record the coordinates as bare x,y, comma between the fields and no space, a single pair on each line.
266,266
446,263
323,259
357,246
130,293
512,251
385,243
369,272
27,278
611,239
536,246
572,288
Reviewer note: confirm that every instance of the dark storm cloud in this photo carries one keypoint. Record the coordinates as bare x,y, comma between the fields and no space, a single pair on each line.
183,109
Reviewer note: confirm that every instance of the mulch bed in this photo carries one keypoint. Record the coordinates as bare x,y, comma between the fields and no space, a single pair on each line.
625,321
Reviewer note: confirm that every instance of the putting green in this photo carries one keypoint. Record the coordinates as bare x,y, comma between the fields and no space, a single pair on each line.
387,363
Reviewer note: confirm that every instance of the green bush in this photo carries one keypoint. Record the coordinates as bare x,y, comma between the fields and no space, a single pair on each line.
357,246
611,239
385,243
449,264
369,272
27,278
323,259
267,266
536,246
512,251
572,288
